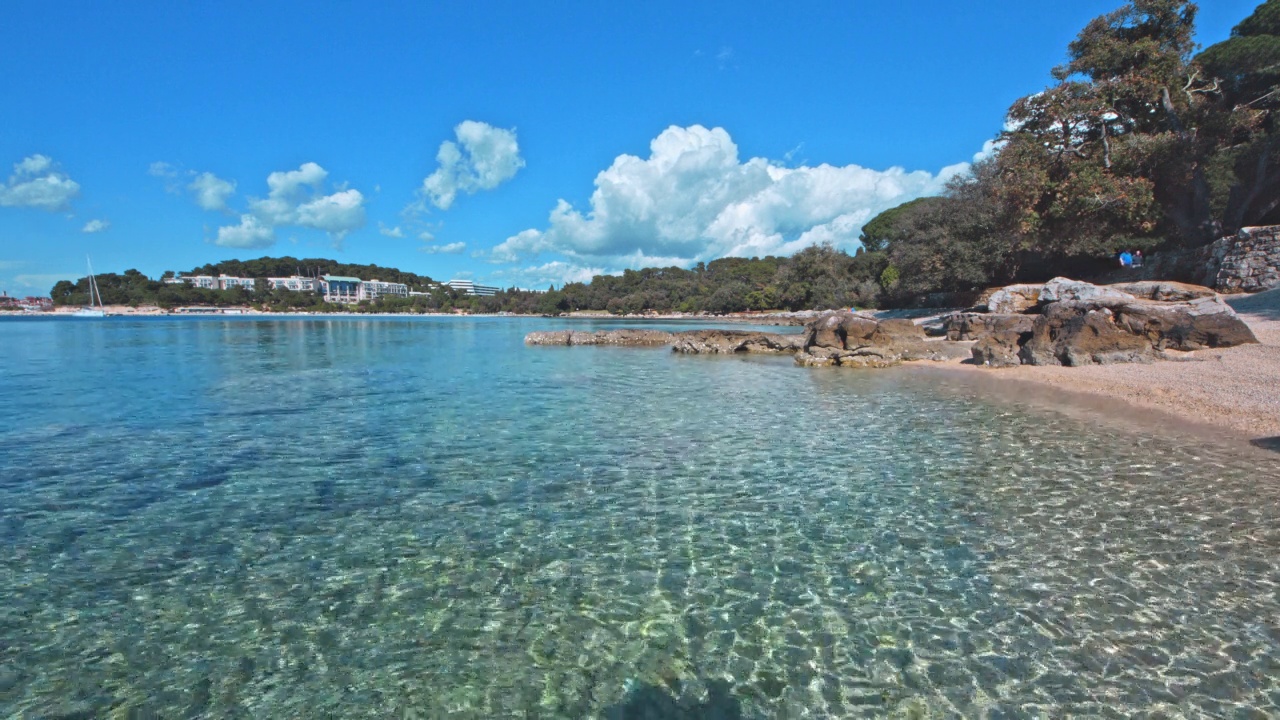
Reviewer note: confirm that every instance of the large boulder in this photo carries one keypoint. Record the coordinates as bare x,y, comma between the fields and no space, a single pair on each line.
837,329
1073,334
998,350
854,340
1014,299
1206,322
1068,290
1164,290
976,326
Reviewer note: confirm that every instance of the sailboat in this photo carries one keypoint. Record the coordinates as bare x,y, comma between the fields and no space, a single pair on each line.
90,311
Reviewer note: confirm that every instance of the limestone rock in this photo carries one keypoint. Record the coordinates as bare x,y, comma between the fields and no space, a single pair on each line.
999,349
625,337
727,342
976,326
1164,291
1014,299
1072,334
1068,290
1206,322
864,357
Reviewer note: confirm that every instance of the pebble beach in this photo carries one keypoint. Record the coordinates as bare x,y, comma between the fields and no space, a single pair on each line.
1232,389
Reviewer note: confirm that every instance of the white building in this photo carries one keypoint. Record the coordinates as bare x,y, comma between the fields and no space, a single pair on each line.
374,289
209,282
347,290
295,283
466,287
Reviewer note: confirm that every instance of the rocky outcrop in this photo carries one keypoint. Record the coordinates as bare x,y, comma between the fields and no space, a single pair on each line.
1014,299
1075,334
1069,323
728,342
1083,324
999,349
856,340
602,337
976,326
1164,291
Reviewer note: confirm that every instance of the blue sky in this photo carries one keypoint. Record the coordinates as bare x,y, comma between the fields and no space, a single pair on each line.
516,143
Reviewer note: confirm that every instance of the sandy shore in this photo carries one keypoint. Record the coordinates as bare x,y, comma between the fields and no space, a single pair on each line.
1235,389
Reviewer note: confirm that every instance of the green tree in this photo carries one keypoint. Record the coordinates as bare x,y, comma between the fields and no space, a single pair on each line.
1244,173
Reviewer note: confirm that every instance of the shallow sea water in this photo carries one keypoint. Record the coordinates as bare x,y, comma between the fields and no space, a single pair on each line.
422,518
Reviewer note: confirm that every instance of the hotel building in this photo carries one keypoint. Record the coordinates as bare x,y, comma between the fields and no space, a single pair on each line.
466,287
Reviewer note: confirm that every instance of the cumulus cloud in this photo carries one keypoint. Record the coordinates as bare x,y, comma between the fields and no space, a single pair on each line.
95,226
336,214
36,182
452,248
694,199
556,272
483,158
391,232
212,192
294,198
250,233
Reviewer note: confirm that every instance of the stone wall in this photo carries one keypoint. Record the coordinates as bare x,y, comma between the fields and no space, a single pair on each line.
1247,262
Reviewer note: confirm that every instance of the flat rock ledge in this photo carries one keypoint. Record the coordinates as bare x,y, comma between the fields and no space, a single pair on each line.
691,342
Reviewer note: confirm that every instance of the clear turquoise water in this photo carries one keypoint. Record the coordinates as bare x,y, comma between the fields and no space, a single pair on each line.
392,518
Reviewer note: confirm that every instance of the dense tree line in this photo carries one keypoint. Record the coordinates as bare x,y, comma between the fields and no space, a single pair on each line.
1140,145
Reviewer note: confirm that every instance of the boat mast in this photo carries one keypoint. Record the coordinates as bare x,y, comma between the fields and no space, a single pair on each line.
93,284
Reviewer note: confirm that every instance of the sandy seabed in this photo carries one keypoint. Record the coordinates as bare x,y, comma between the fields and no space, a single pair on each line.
1236,390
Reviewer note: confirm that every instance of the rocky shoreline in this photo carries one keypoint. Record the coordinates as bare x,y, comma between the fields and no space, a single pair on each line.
1061,322
1180,349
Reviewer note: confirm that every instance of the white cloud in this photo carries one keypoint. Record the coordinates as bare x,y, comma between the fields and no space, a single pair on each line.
452,248
95,226
162,169
336,214
483,158
426,236
250,233
393,232
693,199
212,192
37,183
989,150
555,273
295,197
